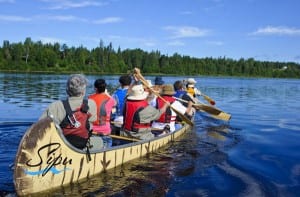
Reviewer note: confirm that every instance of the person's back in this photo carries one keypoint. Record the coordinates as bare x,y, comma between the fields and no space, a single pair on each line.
120,97
138,114
120,93
75,129
104,104
169,117
181,93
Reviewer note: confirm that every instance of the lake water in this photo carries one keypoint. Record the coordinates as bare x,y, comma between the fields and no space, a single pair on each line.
256,153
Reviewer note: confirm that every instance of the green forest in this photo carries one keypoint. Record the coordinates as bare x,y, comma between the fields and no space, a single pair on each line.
31,56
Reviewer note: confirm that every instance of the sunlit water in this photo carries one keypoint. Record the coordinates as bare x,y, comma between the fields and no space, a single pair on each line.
257,153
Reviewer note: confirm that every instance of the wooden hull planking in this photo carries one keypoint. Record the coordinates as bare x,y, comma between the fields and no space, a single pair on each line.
45,160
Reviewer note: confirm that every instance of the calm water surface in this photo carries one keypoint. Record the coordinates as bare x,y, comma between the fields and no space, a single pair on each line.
257,153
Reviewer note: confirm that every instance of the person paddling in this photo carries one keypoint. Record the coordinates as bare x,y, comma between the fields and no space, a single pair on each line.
138,114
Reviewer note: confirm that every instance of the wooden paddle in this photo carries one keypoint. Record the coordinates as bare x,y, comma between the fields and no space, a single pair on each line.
120,137
139,76
215,112
208,99
124,138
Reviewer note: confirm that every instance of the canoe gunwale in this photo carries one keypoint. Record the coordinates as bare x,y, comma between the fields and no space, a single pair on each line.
60,132
62,163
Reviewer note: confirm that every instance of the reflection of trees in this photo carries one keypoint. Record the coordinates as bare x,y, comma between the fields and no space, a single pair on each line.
31,88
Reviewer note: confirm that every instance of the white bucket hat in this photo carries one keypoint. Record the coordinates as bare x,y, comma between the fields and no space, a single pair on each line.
137,93
191,81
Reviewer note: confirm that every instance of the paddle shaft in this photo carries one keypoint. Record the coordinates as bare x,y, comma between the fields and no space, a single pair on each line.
183,117
124,138
207,108
210,100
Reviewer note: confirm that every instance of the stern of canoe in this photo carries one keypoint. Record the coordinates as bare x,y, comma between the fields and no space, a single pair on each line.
44,160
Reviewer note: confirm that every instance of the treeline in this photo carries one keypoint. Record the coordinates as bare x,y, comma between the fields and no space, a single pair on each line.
31,56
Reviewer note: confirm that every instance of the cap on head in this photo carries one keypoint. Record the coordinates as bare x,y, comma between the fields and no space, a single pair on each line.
158,81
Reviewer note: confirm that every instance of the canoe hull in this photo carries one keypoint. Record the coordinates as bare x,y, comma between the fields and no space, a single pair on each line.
45,160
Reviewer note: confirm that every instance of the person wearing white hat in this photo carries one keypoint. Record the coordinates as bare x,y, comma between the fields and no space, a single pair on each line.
191,89
138,114
191,81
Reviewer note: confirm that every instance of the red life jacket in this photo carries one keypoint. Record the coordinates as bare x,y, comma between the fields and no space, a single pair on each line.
131,119
102,115
165,117
75,126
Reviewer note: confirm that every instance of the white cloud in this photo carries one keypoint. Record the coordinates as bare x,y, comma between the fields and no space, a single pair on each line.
176,43
108,20
12,18
280,30
67,4
186,31
65,18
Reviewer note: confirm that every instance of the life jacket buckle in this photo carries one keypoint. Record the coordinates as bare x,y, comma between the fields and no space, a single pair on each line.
73,121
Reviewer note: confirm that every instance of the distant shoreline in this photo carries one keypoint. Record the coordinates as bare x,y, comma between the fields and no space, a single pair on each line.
147,74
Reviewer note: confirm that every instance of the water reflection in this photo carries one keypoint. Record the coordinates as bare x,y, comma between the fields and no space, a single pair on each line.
158,173
257,150
28,89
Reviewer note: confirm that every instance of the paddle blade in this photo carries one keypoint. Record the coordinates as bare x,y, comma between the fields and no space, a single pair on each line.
222,116
209,100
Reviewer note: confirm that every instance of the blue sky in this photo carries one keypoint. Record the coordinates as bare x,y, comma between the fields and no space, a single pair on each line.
267,30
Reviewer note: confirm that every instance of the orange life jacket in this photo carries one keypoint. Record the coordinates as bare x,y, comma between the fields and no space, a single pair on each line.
102,115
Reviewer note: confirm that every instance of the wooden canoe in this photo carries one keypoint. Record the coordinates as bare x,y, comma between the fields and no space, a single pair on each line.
46,161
